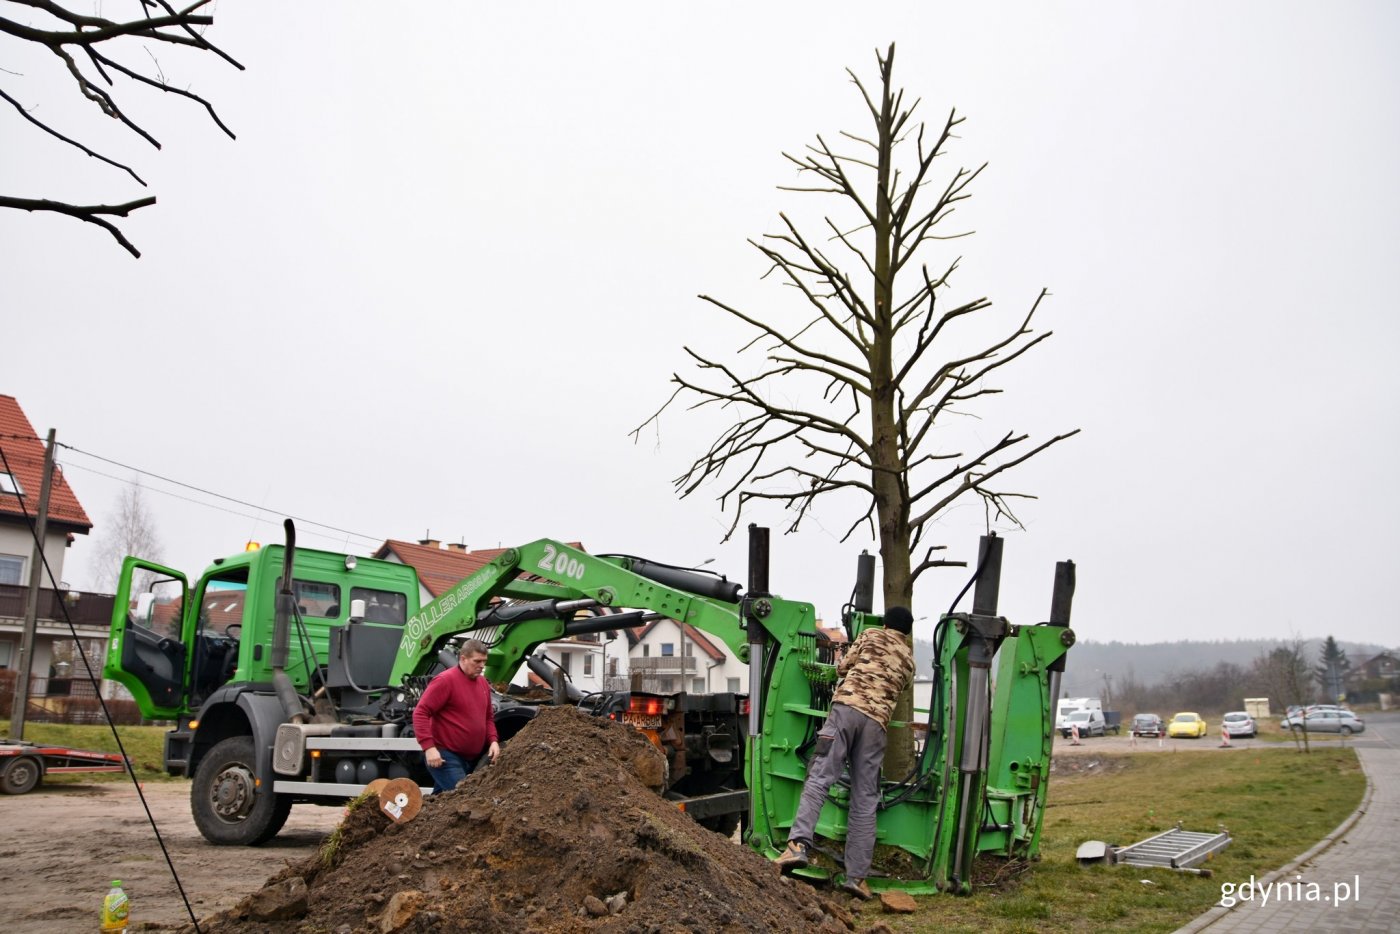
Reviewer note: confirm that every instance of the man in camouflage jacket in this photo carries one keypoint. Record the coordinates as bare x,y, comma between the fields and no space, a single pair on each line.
874,672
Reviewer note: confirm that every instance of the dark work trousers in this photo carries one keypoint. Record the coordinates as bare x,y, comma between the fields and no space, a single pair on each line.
856,738
454,768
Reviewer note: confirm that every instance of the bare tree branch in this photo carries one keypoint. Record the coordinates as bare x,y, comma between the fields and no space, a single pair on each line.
972,481
72,142
94,35
90,213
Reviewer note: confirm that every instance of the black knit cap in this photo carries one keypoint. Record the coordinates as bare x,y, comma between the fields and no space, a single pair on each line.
899,619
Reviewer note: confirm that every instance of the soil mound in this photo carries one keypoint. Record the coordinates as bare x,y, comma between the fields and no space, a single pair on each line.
565,833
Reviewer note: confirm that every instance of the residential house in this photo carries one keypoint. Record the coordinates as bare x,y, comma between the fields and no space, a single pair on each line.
668,656
21,480
1384,666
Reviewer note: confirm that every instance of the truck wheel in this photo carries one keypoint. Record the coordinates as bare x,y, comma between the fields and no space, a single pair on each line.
21,775
227,808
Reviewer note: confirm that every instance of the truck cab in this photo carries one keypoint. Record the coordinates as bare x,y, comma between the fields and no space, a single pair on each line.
202,656
174,646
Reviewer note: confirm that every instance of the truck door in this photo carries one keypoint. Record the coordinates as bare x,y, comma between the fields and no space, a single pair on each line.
149,653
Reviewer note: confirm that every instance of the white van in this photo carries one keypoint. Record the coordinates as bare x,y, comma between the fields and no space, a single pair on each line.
1069,705
1089,722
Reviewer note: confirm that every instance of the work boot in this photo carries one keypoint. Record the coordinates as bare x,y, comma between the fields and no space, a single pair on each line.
794,857
858,888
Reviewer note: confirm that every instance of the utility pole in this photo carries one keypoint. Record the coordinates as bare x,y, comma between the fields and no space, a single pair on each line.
31,606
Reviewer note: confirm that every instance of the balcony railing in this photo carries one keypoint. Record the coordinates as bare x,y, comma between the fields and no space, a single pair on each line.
666,664
89,609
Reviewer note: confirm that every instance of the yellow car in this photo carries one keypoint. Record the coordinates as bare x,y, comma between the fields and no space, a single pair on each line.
1189,725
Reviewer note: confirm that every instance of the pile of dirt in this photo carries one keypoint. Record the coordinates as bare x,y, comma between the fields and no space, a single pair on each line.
565,833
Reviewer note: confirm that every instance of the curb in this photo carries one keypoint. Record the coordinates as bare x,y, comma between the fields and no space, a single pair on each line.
1218,912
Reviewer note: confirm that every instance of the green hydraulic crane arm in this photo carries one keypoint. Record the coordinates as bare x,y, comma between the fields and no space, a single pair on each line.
548,582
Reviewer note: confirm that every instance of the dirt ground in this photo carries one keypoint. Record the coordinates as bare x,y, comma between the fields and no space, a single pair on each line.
63,843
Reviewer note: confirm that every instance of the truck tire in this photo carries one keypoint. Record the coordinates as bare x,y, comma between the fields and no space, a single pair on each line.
224,801
21,775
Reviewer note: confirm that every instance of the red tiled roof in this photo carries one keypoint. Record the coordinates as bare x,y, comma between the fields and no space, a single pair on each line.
440,569
25,455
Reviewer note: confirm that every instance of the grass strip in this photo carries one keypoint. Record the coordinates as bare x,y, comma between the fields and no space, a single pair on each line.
1275,803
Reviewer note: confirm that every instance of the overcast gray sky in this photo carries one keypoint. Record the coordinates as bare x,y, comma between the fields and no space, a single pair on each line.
451,259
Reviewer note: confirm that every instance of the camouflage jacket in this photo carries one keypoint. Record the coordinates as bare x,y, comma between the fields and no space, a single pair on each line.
876,668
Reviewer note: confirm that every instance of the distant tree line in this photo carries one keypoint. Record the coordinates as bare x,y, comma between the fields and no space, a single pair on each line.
1285,674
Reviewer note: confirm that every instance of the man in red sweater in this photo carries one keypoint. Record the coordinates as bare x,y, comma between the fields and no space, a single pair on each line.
453,721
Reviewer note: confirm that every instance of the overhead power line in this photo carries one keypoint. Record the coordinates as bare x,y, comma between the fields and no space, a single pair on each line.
301,520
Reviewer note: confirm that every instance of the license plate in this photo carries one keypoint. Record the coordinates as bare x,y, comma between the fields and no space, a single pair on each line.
641,721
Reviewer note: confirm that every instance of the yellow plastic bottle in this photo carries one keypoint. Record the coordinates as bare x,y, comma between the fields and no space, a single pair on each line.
114,908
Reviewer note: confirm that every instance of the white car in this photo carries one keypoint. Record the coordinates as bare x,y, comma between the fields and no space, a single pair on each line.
1239,723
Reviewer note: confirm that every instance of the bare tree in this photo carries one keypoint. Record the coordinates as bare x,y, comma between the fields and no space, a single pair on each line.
130,531
1289,676
879,369
88,49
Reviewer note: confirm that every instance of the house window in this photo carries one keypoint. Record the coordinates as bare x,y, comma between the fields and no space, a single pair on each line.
11,567
7,654
697,686
646,650
668,685
8,484
588,663
612,667
668,649
564,658
687,649
733,686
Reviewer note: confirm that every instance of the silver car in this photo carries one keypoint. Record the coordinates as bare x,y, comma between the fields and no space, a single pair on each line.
1239,723
1326,721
